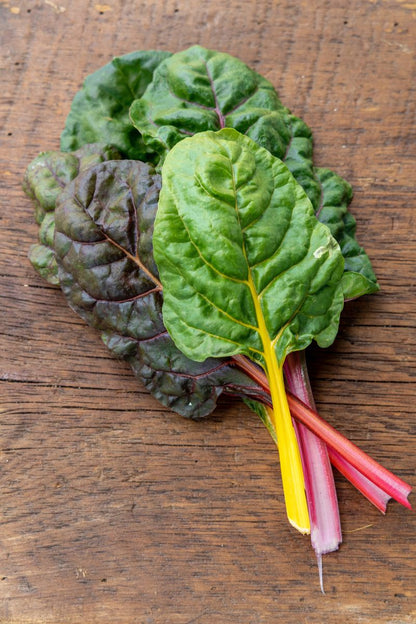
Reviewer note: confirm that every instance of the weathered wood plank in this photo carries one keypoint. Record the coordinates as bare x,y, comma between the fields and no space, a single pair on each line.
111,507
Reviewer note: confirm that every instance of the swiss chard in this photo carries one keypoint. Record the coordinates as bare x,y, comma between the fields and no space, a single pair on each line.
251,272
188,387
103,243
199,89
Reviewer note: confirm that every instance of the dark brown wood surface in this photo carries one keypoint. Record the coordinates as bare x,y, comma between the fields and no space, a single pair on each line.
112,509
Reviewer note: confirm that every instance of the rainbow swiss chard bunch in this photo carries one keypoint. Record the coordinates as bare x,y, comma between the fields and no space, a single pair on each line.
185,220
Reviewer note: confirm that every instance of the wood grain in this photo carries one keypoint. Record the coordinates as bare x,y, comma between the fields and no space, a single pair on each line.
114,509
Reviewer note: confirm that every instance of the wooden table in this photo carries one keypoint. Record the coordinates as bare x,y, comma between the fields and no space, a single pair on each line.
112,509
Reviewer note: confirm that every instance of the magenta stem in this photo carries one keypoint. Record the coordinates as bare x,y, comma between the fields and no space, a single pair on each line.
321,494
372,492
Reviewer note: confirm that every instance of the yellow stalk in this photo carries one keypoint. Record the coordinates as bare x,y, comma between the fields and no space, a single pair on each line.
290,462
292,479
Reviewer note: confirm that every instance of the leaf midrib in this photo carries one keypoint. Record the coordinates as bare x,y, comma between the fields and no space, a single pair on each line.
267,341
134,258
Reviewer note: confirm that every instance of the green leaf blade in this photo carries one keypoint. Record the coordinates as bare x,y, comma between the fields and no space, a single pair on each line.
207,285
335,196
198,90
100,110
210,288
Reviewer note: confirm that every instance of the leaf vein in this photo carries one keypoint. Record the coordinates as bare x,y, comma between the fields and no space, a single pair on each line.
208,333
133,258
206,298
277,277
205,261
244,100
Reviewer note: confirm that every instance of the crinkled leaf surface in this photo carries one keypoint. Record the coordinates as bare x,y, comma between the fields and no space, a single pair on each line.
42,254
336,194
252,264
103,242
100,110
50,172
198,89
45,178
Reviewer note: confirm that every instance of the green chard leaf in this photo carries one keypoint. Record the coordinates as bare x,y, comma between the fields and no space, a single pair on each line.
250,271
336,194
100,110
45,178
198,89
103,242
252,249
42,254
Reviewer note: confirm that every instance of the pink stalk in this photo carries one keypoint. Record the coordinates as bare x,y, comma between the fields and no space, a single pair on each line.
372,492
380,476
321,494
391,485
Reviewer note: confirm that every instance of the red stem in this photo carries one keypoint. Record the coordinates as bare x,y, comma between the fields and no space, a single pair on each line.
380,476
372,492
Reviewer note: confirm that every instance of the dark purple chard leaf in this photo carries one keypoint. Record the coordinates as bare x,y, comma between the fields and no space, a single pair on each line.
199,89
48,173
188,388
45,178
100,110
103,244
